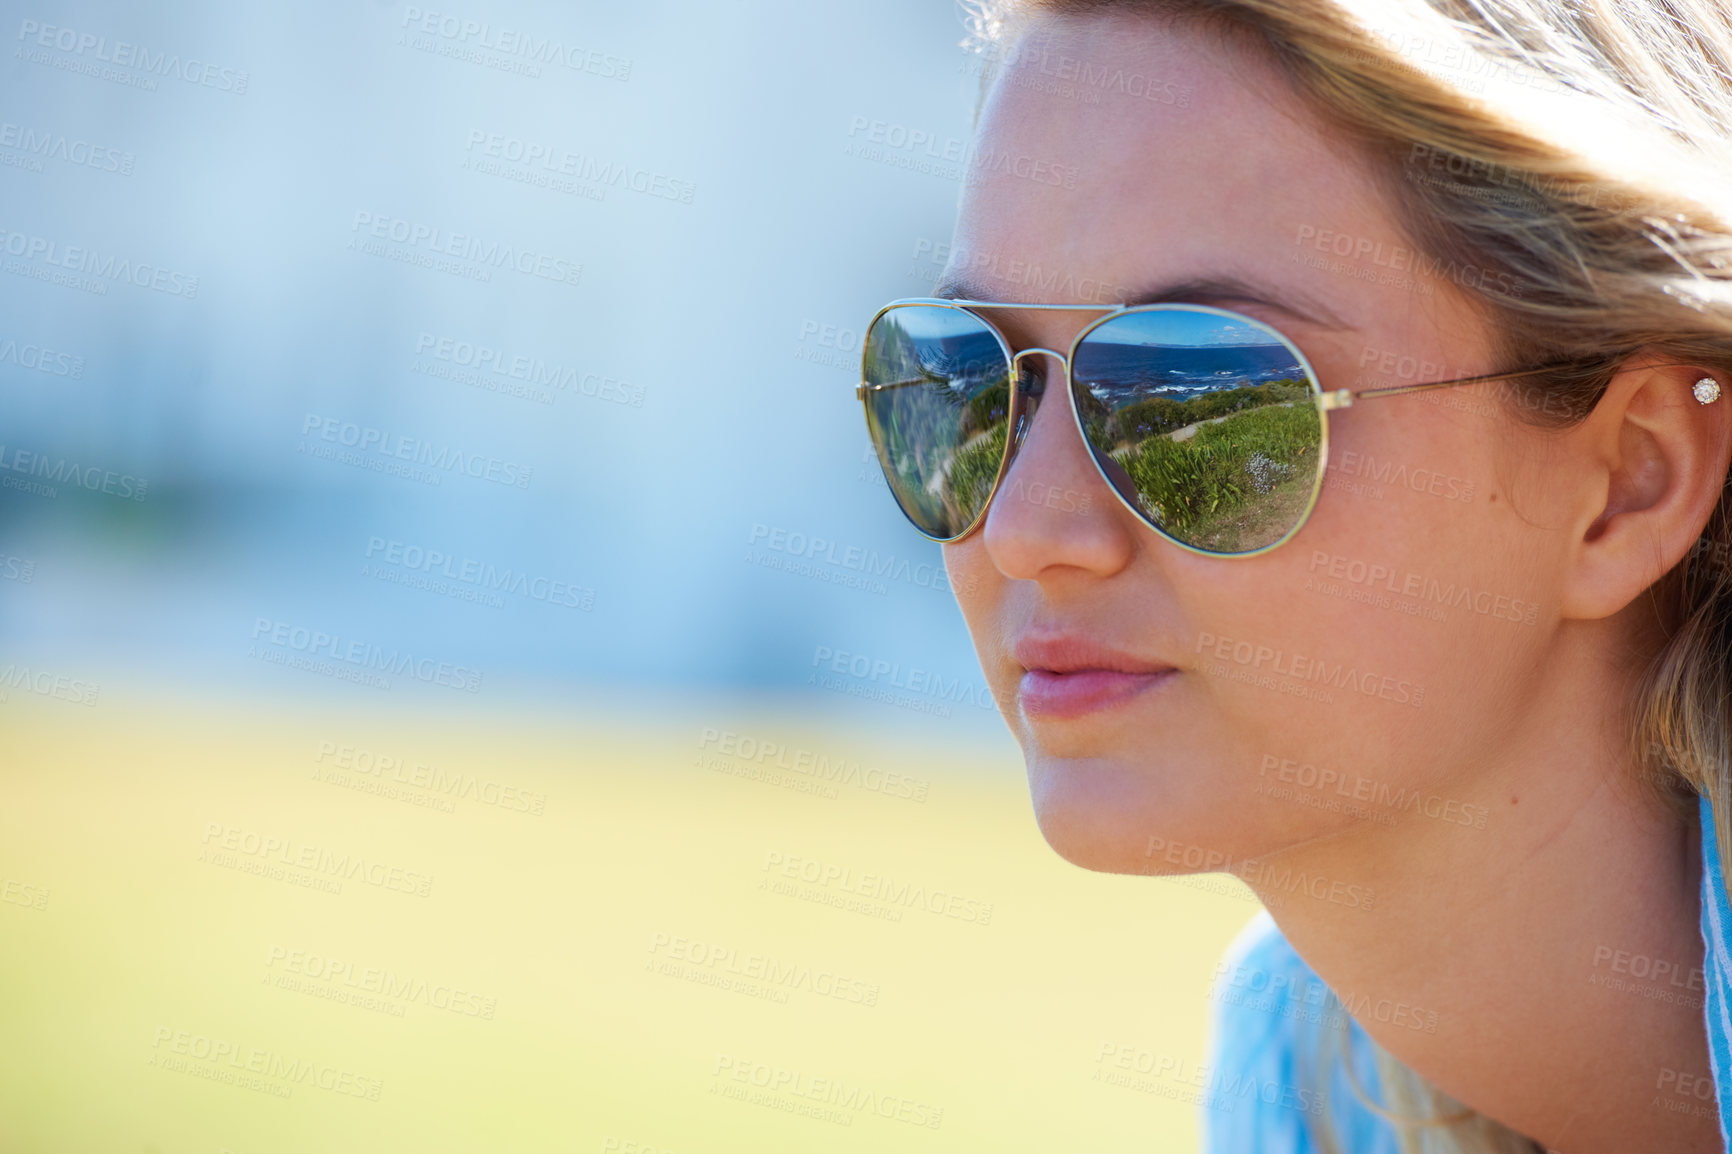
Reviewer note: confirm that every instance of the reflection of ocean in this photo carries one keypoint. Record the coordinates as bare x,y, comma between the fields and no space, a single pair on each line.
967,354
1114,370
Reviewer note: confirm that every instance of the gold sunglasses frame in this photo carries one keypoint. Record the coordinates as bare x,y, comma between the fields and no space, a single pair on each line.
1325,400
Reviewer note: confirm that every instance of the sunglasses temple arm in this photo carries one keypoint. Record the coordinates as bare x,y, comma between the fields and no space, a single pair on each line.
861,389
1341,398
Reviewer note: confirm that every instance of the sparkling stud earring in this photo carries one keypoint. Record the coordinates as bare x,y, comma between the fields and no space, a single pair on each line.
1707,390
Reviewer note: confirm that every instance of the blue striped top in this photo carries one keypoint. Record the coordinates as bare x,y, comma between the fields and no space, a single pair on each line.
1269,1008
1717,970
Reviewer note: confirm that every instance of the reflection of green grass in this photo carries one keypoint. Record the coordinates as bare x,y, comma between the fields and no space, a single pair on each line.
1158,415
920,423
1203,491
989,407
973,472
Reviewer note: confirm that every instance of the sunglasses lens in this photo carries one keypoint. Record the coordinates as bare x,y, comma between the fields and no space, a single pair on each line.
938,411
1206,423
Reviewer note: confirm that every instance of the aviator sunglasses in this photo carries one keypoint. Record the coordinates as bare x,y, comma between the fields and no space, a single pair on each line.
1209,425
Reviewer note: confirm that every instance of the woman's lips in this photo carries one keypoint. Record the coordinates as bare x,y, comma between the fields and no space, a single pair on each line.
1067,675
1049,693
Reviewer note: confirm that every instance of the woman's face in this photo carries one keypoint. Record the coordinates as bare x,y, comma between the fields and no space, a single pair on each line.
1125,154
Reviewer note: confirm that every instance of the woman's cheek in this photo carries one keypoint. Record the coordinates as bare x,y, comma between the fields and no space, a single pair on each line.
980,591
973,580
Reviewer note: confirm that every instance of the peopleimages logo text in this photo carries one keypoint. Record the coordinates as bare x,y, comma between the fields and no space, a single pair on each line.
891,673
83,476
46,145
121,54
41,359
811,547
532,370
104,267
472,572
365,438
365,655
510,41
465,246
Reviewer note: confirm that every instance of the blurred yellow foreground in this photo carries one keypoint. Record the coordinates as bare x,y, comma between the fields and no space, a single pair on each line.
269,933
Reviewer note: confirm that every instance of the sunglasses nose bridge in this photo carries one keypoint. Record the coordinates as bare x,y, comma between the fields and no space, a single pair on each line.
1016,366
1030,388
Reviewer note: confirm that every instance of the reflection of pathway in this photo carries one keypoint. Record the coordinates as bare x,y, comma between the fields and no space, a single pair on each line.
1190,430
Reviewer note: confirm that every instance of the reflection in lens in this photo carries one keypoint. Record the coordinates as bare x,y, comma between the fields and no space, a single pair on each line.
1207,424
937,409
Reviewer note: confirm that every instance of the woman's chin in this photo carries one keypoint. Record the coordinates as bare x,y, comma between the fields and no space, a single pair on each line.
1111,817
1096,815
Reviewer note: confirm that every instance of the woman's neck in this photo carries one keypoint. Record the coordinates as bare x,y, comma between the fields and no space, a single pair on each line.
1546,969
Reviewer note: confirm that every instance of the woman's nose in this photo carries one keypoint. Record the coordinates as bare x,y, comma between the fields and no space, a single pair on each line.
1053,513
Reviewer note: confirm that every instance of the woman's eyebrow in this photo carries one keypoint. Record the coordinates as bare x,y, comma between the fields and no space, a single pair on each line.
1232,290
1217,290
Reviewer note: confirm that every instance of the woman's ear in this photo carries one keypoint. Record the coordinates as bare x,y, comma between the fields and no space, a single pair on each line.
1650,463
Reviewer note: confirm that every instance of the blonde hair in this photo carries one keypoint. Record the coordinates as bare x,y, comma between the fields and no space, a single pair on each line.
1590,193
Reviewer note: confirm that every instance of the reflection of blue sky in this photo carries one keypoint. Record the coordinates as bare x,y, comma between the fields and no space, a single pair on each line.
1181,327
931,322
735,318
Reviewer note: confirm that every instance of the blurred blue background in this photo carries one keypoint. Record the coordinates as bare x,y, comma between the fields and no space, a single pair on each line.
401,400
616,256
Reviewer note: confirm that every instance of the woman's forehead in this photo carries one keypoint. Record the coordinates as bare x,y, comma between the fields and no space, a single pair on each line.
1084,183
